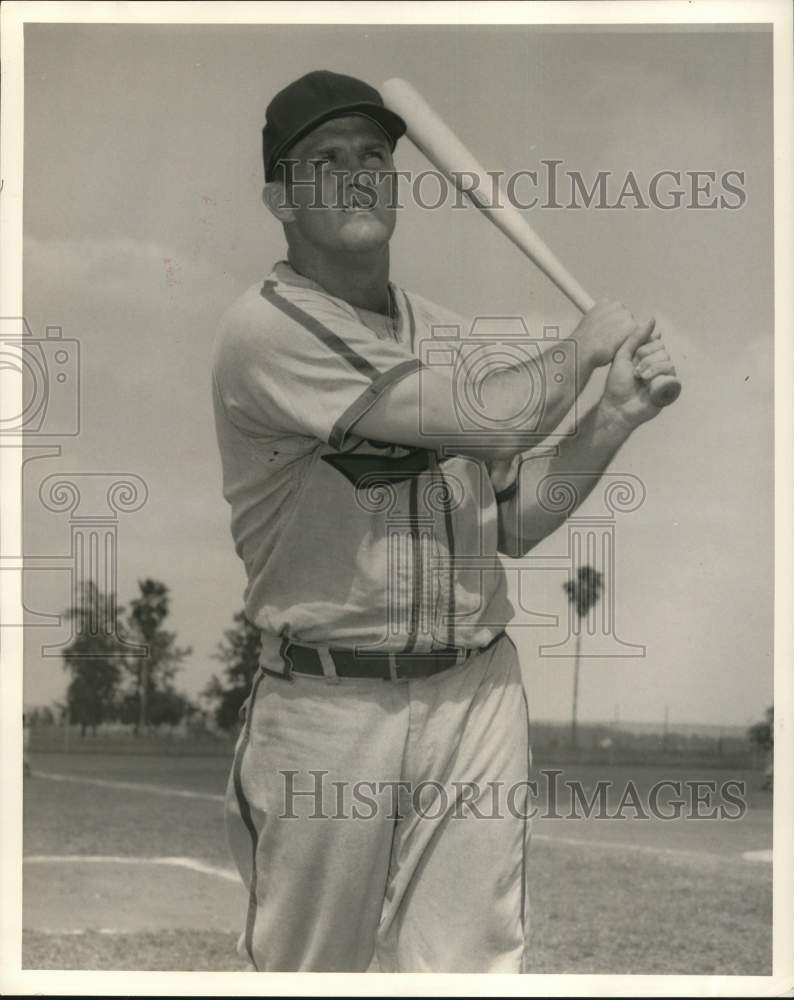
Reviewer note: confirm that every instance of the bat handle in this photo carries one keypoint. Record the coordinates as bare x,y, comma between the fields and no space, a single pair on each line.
664,389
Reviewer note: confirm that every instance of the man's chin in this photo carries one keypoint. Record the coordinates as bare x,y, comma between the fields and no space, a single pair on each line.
364,233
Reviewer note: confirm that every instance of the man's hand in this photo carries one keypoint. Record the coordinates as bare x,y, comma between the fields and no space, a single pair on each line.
641,357
524,519
602,330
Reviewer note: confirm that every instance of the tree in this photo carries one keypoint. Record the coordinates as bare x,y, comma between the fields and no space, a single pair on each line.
169,707
239,651
153,673
583,593
40,716
762,735
93,658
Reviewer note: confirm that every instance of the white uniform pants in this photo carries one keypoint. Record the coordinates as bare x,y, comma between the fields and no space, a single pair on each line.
322,771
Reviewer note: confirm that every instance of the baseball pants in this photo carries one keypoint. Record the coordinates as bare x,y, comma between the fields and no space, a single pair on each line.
372,818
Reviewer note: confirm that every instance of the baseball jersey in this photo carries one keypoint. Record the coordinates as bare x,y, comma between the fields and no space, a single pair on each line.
346,542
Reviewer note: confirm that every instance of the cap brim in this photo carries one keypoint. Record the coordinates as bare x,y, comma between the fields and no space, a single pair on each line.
387,120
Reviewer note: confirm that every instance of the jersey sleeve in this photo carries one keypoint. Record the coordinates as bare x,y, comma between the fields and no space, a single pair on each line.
504,473
280,368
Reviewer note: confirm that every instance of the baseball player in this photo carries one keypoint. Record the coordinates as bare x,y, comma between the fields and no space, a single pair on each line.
377,804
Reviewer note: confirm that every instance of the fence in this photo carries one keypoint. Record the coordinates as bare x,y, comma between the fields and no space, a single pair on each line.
177,742
550,745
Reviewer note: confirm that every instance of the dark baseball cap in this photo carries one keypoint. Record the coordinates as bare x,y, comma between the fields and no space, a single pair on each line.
316,98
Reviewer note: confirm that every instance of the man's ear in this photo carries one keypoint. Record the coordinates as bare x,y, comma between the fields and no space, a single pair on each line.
277,201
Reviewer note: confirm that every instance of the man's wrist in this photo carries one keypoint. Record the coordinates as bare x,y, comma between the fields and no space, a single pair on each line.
613,420
586,361
587,366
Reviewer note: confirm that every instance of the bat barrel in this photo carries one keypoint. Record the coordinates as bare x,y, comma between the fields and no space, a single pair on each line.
433,137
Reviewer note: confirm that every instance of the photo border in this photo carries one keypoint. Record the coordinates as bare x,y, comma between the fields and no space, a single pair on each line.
563,16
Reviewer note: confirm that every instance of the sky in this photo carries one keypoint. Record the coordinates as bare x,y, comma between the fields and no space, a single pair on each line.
143,222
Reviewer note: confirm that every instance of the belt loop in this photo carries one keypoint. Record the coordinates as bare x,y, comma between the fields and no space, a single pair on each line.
393,674
328,665
289,666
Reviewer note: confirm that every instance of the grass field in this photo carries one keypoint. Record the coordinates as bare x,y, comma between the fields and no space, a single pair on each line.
126,867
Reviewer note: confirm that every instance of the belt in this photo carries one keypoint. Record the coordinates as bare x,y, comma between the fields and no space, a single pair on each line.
308,660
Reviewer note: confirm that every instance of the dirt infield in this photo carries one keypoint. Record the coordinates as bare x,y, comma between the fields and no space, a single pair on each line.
126,867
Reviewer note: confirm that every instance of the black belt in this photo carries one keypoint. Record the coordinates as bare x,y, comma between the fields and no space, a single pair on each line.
396,666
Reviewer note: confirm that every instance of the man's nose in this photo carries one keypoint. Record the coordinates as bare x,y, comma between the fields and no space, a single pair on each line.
351,172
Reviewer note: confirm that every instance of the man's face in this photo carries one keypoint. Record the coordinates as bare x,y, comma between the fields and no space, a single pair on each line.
341,187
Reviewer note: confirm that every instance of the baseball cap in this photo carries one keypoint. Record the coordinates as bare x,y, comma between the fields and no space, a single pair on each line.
316,98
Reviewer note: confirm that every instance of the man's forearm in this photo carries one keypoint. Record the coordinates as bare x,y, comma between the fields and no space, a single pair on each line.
596,339
487,409
506,392
534,510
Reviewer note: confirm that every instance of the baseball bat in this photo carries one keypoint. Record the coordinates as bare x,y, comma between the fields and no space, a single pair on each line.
436,140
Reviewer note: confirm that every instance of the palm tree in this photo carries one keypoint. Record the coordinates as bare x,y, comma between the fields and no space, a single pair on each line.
583,592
